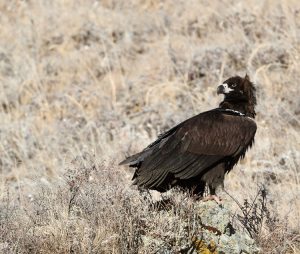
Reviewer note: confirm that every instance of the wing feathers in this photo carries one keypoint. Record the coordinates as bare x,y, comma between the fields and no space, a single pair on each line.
196,167
192,147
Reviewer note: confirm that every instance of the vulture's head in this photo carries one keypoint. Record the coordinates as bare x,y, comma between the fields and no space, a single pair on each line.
238,88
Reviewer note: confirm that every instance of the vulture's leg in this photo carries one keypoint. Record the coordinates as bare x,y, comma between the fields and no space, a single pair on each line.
215,182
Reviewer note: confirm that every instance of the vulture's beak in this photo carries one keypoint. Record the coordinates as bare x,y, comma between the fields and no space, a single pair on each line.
221,89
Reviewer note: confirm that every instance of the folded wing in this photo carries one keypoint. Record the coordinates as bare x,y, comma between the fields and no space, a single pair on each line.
192,147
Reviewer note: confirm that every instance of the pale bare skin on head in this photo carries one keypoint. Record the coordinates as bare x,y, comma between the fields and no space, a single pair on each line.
227,89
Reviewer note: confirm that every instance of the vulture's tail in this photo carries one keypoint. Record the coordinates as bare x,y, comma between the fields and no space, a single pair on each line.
136,159
130,159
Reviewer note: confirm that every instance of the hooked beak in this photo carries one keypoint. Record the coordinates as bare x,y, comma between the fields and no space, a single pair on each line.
224,89
221,89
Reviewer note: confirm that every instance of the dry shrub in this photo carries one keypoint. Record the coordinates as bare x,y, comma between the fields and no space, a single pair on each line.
264,224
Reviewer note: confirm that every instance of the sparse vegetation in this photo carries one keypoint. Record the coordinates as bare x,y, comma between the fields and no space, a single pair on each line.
84,83
257,218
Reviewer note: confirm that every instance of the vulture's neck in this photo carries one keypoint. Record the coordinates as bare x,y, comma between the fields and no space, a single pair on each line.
246,107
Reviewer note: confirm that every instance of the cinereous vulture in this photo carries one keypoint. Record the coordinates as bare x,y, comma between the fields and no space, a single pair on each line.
199,151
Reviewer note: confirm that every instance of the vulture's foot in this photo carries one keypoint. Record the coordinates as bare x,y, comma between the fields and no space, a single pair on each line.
213,197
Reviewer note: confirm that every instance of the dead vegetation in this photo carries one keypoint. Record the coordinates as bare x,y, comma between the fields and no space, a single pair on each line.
104,78
94,210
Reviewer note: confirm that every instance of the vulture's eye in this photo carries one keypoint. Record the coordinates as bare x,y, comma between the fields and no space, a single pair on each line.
233,85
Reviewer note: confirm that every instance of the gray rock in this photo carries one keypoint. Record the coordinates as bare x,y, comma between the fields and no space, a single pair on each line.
214,234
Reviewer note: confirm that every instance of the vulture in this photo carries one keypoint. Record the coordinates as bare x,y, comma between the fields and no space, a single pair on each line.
199,151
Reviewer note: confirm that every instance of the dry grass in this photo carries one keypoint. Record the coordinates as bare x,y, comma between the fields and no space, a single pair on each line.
104,78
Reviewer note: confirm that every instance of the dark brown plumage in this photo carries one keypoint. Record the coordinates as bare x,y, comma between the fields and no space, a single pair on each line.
201,149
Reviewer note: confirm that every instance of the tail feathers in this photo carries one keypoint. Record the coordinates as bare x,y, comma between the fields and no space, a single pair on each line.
136,159
130,159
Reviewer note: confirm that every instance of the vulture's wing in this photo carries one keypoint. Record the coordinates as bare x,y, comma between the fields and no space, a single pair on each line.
191,147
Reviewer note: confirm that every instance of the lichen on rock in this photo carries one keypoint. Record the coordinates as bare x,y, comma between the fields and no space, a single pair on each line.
214,234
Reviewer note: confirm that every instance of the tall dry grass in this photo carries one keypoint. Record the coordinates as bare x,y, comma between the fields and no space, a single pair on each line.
105,77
